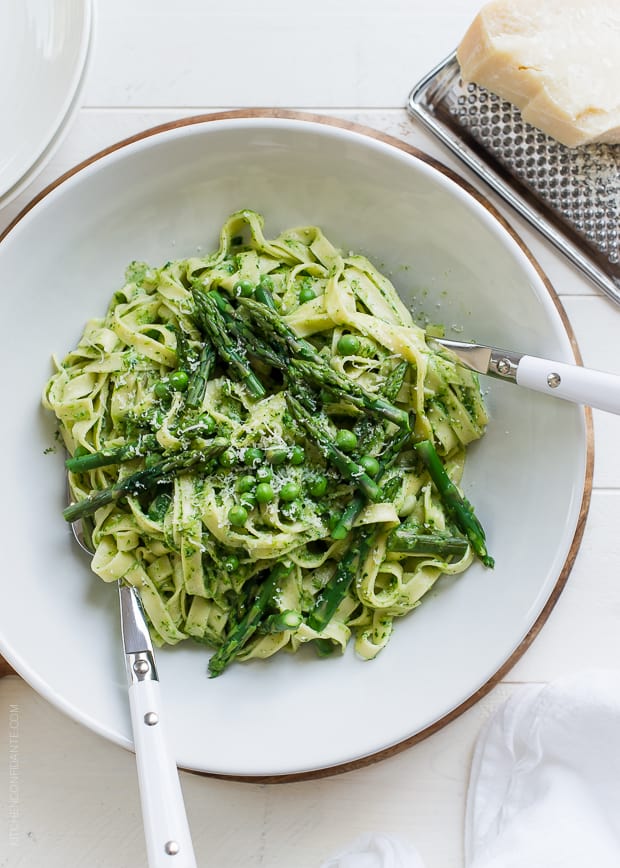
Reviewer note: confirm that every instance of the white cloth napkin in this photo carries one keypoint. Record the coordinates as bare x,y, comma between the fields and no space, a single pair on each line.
544,789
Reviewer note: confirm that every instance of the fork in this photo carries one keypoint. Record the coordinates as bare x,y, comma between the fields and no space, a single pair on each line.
166,830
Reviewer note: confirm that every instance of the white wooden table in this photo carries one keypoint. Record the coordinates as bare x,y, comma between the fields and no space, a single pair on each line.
72,799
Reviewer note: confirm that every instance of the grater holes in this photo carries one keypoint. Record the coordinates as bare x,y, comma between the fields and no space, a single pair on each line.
569,182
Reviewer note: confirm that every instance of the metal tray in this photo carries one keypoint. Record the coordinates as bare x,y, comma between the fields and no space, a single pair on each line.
571,195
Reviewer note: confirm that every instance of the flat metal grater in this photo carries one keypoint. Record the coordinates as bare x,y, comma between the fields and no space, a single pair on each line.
571,195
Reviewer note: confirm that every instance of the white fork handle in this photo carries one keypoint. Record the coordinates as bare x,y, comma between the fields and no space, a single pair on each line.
571,382
168,840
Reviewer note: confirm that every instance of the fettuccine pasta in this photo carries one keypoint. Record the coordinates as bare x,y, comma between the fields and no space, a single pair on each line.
244,431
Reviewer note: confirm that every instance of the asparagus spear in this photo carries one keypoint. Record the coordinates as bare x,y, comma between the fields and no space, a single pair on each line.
254,344
271,323
350,469
213,324
313,366
200,377
333,593
324,647
250,622
183,351
357,503
321,375
142,480
300,390
457,506
413,541
281,621
146,444
394,381
336,589
107,457
370,434
264,296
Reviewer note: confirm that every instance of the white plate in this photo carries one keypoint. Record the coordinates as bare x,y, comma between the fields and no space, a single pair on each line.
163,197
44,46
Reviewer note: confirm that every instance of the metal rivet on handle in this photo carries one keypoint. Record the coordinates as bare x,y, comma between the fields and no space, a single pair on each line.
503,367
171,848
141,667
151,718
554,380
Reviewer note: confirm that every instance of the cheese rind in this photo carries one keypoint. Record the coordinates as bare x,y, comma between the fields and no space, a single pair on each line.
558,61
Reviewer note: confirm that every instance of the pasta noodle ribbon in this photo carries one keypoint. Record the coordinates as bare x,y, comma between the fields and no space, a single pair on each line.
243,430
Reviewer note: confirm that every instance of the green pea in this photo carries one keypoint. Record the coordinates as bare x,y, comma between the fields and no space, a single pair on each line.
253,456
297,455
237,516
207,424
248,500
277,456
162,390
306,293
264,473
264,493
292,509
266,282
370,464
348,345
231,563
290,491
346,440
245,484
227,458
318,486
178,380
243,288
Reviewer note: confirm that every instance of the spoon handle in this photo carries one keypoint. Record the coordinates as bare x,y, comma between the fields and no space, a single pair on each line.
571,382
166,830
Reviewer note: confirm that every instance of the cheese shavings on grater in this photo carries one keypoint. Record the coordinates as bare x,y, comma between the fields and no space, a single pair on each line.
571,195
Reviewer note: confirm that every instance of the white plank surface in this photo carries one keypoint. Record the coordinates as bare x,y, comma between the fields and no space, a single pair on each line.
330,54
155,61
79,805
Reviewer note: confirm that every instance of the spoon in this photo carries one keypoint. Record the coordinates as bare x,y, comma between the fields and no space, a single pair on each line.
571,382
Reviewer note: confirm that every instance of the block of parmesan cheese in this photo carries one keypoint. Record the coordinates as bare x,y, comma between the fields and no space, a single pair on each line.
558,61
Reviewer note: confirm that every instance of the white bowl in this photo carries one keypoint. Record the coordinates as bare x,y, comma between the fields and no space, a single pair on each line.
44,59
164,196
